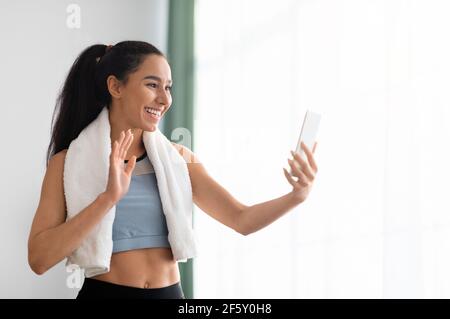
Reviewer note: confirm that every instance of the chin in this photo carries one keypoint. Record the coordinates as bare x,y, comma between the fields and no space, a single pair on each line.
151,128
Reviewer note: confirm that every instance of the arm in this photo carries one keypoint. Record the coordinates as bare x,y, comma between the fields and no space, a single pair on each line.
51,238
214,200
260,215
209,196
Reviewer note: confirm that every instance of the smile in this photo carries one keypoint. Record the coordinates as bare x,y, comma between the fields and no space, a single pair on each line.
154,113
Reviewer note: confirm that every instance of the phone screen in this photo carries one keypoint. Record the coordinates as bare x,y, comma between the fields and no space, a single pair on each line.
308,133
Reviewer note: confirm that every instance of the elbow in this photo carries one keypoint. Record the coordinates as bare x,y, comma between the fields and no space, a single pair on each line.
242,226
37,268
35,264
244,233
241,229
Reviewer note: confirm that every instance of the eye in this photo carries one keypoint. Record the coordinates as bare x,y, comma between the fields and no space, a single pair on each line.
153,85
169,88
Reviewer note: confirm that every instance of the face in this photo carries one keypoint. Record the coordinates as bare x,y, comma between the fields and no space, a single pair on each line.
146,97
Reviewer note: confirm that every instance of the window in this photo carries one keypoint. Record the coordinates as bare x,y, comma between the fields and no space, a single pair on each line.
376,224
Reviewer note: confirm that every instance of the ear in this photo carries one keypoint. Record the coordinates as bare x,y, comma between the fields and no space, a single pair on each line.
114,86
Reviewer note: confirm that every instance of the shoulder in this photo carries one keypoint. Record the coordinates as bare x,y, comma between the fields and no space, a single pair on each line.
55,167
197,172
57,159
186,153
61,153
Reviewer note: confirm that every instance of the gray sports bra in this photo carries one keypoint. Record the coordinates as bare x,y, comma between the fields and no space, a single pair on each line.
140,221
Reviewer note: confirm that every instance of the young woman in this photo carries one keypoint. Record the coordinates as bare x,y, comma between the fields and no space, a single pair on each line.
127,78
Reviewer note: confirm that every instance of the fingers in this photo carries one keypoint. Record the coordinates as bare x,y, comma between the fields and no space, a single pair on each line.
289,178
302,179
116,146
121,138
126,144
310,156
120,142
306,169
123,142
114,151
130,165
121,146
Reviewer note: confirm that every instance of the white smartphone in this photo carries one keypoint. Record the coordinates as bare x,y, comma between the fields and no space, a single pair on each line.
308,133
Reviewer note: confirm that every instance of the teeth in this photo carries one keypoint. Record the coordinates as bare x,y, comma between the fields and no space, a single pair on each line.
153,111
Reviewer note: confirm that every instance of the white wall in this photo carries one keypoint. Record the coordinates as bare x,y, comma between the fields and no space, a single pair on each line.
37,50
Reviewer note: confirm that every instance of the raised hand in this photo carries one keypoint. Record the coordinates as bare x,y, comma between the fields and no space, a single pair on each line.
305,171
119,174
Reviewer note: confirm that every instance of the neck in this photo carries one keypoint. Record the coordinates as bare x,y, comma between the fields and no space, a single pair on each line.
118,124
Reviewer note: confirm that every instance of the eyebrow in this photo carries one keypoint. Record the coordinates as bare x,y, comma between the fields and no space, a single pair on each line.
156,78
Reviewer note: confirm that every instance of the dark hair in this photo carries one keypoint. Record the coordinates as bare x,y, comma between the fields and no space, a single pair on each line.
85,92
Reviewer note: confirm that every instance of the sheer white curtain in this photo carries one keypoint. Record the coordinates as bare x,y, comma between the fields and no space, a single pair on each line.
377,223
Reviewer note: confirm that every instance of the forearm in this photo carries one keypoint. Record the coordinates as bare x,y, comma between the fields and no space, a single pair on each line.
258,216
53,245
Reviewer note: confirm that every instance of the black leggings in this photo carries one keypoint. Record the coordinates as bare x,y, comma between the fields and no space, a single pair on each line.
97,289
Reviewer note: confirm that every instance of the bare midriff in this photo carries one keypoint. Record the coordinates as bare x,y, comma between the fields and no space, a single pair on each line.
142,268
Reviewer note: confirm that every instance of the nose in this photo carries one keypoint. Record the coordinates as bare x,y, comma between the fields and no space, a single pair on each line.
164,97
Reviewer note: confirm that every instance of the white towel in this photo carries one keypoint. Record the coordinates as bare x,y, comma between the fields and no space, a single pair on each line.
86,171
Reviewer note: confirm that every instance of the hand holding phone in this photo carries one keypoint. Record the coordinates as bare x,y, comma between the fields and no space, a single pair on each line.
308,133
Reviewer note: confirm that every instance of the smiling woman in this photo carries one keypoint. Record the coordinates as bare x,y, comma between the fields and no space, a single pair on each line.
128,87
133,80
